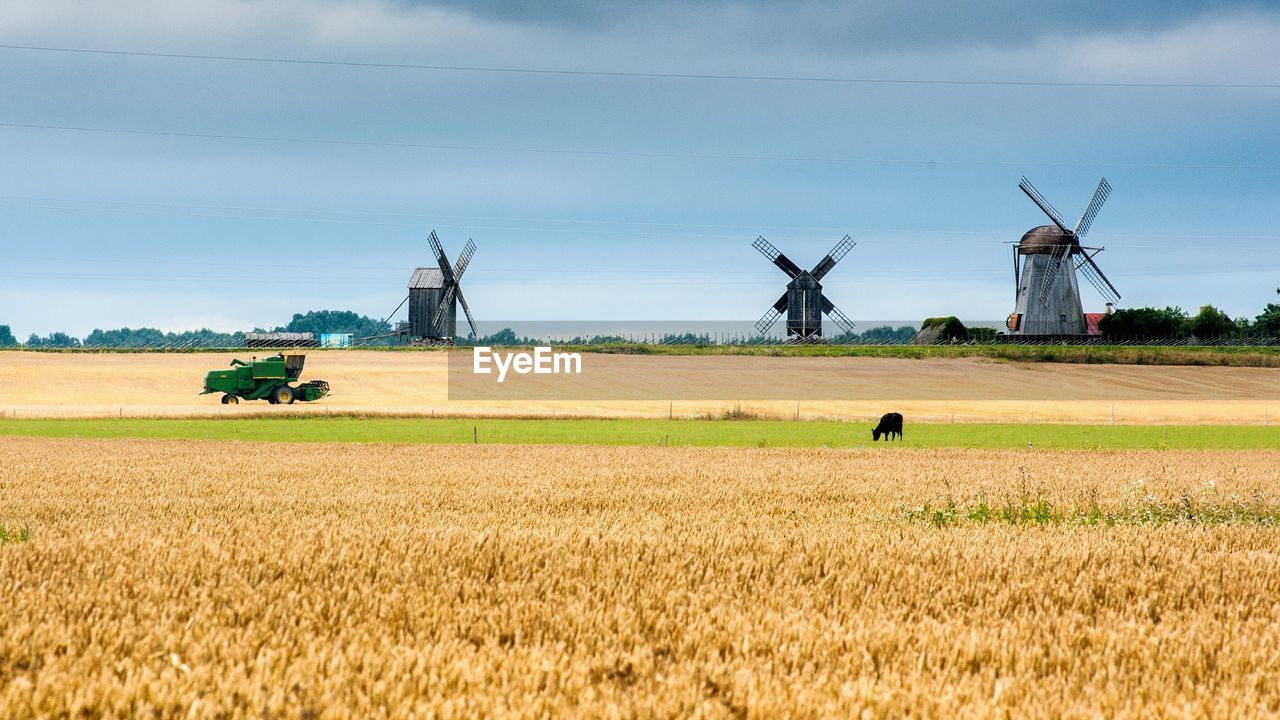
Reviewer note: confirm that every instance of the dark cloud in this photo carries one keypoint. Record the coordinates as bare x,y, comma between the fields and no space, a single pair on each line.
865,24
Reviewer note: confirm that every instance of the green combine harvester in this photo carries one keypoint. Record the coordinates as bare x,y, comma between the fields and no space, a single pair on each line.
267,379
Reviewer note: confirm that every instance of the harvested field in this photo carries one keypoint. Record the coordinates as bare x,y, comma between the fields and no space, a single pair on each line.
415,383
214,578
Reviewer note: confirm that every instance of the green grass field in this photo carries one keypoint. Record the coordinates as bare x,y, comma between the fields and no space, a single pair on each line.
704,433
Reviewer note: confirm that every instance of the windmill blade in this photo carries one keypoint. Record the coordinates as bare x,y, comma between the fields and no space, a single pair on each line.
776,257
464,260
1094,275
446,302
466,309
834,313
769,318
441,259
1099,197
841,249
1025,186
781,304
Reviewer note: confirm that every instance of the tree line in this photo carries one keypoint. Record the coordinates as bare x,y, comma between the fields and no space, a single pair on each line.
315,321
1174,323
1169,323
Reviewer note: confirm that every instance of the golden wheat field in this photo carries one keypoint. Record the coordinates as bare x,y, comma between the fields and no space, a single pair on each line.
206,579
36,384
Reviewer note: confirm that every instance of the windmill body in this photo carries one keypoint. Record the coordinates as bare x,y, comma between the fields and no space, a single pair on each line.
426,295
1047,263
803,301
1052,307
804,306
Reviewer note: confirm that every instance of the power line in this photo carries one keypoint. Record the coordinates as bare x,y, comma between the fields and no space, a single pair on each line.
637,154
742,231
747,280
646,74
747,228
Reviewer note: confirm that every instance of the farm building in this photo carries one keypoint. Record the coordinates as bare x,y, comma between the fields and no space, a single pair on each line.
280,339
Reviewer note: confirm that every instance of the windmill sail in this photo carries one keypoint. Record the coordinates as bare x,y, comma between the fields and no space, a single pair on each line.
840,318
772,315
1095,276
1026,187
452,277
824,266
776,257
467,310
1090,212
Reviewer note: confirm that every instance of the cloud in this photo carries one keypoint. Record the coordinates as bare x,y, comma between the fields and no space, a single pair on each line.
1186,42
1238,48
996,40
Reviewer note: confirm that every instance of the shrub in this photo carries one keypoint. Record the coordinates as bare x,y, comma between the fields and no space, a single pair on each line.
1145,322
945,328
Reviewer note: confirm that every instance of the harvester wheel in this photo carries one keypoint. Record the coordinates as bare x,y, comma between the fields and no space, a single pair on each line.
283,395
230,400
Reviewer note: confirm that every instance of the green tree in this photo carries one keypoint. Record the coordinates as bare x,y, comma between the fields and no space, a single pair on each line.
331,321
1211,323
152,337
1147,322
1268,323
6,337
982,334
125,337
504,337
53,340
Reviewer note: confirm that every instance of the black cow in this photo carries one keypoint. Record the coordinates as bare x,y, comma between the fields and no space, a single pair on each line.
890,425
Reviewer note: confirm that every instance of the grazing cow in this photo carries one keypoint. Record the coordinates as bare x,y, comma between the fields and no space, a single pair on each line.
890,425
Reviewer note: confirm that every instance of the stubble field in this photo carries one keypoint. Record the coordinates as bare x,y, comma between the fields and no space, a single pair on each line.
966,389
209,579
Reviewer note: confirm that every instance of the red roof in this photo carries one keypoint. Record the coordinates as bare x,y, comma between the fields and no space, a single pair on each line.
1093,323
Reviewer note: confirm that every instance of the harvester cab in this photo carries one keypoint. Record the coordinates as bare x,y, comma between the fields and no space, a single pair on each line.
267,379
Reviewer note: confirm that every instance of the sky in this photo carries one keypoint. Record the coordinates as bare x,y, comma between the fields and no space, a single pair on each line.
623,193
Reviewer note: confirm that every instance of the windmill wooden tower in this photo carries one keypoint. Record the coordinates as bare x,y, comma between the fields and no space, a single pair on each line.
803,302
1045,264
